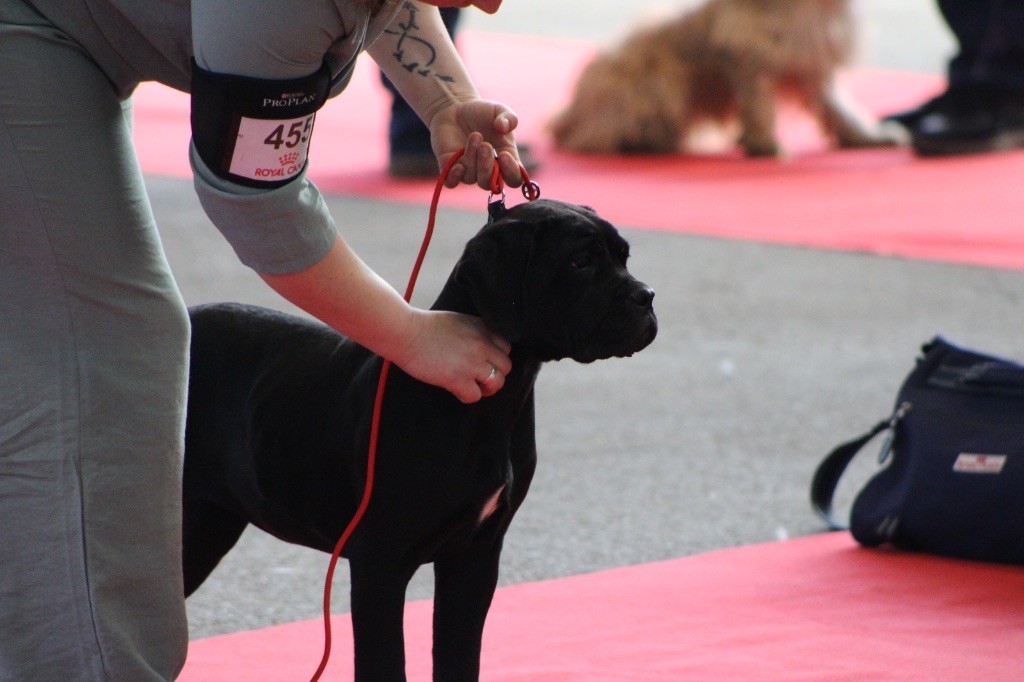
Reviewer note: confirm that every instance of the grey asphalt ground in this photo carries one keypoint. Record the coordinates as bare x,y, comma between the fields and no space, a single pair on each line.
767,357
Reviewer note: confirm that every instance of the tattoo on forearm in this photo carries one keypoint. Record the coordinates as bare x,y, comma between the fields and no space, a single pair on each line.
415,54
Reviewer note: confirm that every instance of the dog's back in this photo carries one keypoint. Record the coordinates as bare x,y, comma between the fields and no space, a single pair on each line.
269,396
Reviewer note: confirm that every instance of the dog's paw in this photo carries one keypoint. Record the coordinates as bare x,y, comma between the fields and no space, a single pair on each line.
891,134
764,149
882,134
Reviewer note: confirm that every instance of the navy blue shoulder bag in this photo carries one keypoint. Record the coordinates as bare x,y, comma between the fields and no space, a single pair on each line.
952,476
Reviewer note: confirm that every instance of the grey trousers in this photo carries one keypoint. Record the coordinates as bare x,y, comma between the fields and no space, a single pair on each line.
93,372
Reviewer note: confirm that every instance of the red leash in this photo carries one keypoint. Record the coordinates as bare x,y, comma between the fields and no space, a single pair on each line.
531,191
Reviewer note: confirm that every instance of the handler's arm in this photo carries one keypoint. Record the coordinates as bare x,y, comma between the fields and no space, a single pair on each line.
437,347
287,234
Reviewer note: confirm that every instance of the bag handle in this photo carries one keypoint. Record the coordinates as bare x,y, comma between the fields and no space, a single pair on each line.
826,477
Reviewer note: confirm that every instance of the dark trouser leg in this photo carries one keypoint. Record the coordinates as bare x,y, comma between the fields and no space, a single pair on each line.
990,35
982,110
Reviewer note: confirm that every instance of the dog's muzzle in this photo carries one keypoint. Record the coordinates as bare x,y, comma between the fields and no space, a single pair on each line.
630,326
647,329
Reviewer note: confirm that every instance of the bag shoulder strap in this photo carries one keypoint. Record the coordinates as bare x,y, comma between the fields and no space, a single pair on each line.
826,477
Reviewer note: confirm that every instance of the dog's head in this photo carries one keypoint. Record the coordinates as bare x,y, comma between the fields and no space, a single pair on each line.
552,276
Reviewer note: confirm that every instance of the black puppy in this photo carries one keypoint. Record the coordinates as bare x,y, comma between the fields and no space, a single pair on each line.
280,408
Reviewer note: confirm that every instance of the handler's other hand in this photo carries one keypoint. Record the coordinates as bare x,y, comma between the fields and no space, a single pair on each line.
457,352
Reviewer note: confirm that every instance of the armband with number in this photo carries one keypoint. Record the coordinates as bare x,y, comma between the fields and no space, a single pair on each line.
255,131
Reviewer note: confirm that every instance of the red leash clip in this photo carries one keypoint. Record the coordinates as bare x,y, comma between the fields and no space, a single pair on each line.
531,190
496,202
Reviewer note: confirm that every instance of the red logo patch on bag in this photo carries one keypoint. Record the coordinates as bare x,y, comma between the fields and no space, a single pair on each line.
971,463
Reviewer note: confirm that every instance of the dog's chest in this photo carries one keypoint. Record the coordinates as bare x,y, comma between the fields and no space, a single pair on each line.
491,494
490,505
495,500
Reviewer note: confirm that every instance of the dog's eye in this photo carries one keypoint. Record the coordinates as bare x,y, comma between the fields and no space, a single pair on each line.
582,261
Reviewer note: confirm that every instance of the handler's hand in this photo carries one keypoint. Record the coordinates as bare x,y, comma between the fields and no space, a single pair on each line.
457,352
485,130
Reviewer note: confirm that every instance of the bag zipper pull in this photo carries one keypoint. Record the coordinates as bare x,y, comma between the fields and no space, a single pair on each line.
894,421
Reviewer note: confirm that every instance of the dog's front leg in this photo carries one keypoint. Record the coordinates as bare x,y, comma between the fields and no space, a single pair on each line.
463,588
378,605
755,98
850,127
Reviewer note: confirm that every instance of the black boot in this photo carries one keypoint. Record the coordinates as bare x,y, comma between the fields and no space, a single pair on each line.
967,120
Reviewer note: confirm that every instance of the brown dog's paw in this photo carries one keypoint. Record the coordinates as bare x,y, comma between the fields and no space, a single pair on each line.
894,133
883,134
762,148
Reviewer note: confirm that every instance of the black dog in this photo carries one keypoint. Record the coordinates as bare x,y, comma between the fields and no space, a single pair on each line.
278,430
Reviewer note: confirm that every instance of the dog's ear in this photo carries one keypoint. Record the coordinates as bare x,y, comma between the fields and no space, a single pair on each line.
492,270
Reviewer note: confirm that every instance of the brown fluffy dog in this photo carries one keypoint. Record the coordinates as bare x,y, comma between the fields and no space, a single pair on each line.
724,62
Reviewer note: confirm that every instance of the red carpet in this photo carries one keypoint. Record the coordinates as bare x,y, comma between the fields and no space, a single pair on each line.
881,201
816,608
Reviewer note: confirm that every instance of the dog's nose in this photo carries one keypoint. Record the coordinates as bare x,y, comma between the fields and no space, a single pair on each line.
643,296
